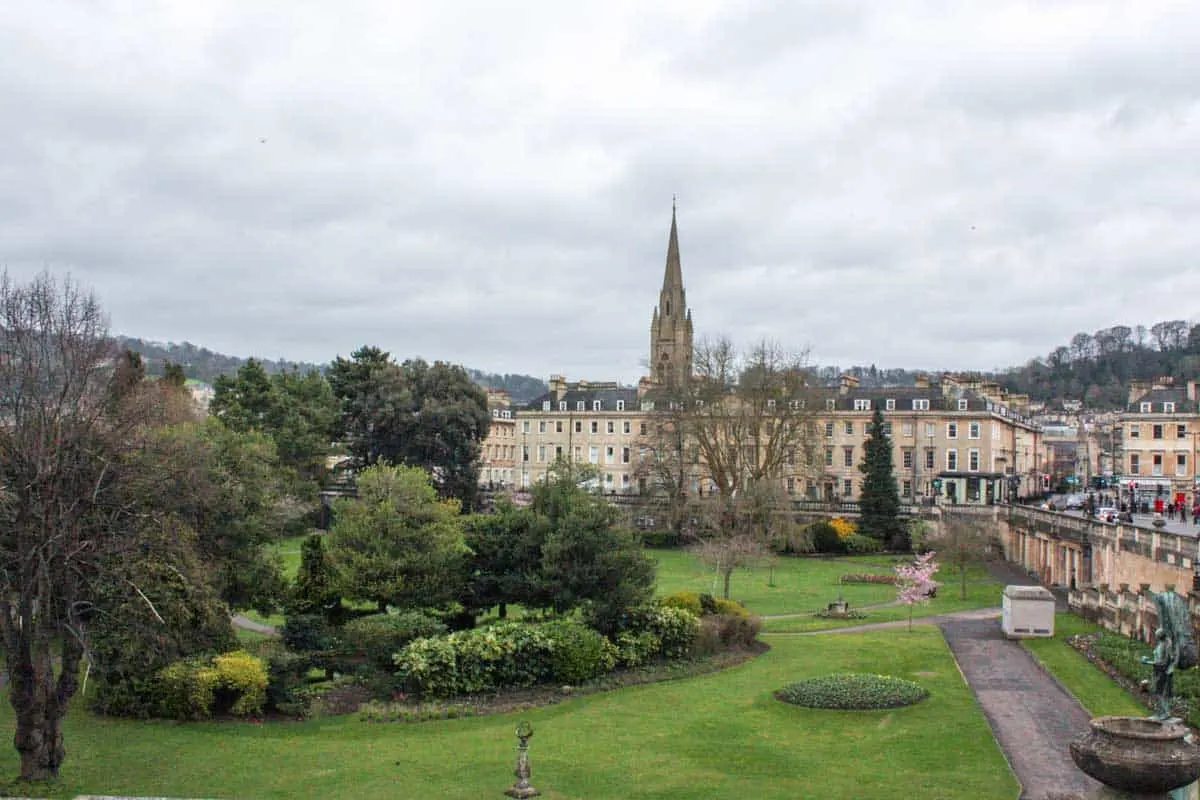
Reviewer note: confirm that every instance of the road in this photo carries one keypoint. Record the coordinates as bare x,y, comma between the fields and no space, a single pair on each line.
1185,528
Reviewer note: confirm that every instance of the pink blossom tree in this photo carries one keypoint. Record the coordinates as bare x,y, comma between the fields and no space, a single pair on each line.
915,583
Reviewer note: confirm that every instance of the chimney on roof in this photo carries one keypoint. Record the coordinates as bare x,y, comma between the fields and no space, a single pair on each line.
1137,389
847,383
922,381
1191,390
558,386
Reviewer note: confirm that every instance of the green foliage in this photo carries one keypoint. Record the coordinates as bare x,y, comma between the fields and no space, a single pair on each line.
227,486
188,689
859,544
504,655
506,558
825,539
308,633
429,416
578,653
151,609
314,591
853,691
381,636
397,543
879,500
285,680
688,601
636,648
587,561
296,411
674,628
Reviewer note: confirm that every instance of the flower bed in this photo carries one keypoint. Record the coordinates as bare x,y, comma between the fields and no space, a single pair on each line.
853,692
867,578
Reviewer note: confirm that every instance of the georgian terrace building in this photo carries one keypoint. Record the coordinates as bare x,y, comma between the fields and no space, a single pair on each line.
960,439
1159,432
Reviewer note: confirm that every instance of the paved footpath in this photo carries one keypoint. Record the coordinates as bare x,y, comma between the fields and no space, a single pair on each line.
1032,717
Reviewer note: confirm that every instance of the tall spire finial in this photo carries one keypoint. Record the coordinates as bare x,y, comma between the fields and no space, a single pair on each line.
673,198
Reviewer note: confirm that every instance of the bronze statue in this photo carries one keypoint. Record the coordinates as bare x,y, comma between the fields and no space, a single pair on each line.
1175,648
1164,660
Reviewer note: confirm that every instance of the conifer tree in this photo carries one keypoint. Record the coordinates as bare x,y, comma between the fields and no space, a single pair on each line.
879,502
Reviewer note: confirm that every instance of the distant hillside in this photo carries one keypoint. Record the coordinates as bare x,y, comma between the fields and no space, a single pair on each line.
202,364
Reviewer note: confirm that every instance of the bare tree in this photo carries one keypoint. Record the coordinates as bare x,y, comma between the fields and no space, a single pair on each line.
963,540
724,444
65,428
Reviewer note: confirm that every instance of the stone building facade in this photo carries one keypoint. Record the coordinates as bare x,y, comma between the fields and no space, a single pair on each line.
1159,432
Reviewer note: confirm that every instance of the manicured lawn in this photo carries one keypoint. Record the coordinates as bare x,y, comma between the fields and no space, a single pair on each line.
982,592
801,585
1094,690
721,735
289,551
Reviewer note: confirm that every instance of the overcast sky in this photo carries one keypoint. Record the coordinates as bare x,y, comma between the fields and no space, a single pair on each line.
959,185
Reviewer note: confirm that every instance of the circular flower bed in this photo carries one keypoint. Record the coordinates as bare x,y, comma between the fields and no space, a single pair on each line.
853,691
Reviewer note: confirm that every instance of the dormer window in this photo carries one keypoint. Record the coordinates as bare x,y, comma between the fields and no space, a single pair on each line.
562,405
962,405
921,404
771,403
796,405
1145,408
647,405
620,405
597,405
1168,408
580,406
862,405
495,413
545,405
890,404
829,404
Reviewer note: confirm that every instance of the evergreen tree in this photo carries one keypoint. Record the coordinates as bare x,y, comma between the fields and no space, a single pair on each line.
879,502
314,592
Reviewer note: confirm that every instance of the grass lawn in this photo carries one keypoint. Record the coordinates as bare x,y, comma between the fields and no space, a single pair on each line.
982,592
721,735
1094,690
801,585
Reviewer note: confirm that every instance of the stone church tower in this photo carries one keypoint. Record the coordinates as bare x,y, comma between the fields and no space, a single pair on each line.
671,325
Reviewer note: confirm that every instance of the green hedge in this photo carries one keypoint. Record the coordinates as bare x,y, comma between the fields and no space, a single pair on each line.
853,691
189,689
381,636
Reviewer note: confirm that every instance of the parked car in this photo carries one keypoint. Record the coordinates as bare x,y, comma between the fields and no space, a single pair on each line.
1075,501
1106,514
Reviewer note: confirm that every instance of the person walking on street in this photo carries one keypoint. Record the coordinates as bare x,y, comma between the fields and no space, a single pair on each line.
1196,513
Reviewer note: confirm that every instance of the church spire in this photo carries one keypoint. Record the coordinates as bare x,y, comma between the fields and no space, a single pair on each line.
671,323
673,275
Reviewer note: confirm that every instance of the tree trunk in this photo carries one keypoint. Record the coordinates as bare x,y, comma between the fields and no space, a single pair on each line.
727,574
963,574
39,740
503,613
40,702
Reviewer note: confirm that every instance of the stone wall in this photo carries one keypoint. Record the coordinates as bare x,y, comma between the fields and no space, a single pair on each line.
1074,552
1123,609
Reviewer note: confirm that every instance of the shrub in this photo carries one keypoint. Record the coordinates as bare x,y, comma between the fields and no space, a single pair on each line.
504,655
738,631
731,608
708,604
843,527
661,539
285,677
857,543
186,689
381,636
708,638
636,649
307,633
688,601
673,627
246,676
578,653
825,538
853,691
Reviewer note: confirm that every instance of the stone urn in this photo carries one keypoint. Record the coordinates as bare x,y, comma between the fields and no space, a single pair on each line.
1137,754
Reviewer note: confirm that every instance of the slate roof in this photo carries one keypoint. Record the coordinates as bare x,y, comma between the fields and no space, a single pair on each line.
1157,397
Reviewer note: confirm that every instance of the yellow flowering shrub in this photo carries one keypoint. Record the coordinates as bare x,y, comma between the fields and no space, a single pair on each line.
844,527
246,674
